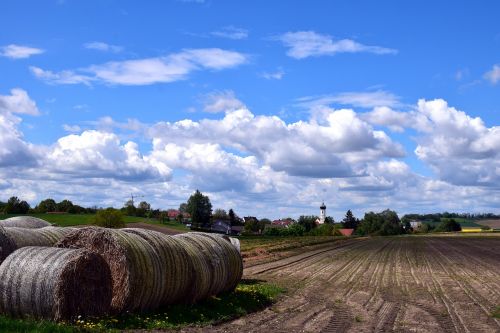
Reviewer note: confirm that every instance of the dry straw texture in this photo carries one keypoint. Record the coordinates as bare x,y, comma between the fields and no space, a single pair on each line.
54,283
24,222
136,268
225,266
176,274
14,238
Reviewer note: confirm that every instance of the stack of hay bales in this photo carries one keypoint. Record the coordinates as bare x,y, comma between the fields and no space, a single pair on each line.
136,268
29,222
151,269
13,238
145,269
54,283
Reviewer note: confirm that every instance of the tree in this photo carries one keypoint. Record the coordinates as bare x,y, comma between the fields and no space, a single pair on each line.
130,208
47,205
220,214
449,225
232,217
308,222
349,221
64,206
384,223
16,206
200,209
329,220
109,218
183,207
142,209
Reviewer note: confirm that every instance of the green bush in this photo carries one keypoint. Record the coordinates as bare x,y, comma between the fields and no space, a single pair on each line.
293,230
109,218
326,229
449,225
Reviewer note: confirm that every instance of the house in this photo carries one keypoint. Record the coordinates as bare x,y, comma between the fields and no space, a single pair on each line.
282,223
346,232
173,214
415,224
224,227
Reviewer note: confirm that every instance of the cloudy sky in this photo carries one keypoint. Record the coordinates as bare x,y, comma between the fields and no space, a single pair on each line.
268,107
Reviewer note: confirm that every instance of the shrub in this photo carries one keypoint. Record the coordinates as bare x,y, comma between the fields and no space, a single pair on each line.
109,218
449,225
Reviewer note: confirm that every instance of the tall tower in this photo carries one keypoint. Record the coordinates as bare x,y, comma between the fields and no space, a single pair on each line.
322,213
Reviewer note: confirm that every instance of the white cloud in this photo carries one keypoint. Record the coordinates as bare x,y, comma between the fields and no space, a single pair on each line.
231,32
170,68
276,75
100,46
19,51
304,44
18,102
369,99
493,75
72,128
94,154
222,102
63,77
461,149
339,148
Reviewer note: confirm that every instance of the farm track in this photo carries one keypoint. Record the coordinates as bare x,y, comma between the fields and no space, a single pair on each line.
399,284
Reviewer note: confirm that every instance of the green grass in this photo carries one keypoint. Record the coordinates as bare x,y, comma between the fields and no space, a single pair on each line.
31,326
67,220
496,313
249,296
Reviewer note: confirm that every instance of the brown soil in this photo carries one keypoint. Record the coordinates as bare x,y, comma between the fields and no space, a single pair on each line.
155,227
494,224
403,284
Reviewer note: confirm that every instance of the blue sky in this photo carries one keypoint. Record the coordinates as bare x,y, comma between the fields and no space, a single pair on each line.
268,107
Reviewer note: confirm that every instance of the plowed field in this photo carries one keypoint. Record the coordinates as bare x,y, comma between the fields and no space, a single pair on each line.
403,284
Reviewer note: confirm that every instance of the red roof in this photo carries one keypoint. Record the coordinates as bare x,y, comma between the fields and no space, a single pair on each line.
346,232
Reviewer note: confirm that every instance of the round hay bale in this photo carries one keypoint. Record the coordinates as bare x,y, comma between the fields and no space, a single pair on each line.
54,283
135,266
233,262
200,272
28,222
13,238
177,272
222,258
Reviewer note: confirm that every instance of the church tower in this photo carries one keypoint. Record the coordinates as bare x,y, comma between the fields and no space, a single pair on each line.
322,213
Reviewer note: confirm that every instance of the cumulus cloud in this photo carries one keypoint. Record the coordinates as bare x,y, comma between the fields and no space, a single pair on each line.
460,148
94,154
14,51
170,68
18,102
493,75
231,32
222,102
304,44
104,47
337,148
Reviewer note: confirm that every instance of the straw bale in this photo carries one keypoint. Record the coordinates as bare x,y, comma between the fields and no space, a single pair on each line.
24,222
135,266
225,266
232,261
177,272
54,283
13,238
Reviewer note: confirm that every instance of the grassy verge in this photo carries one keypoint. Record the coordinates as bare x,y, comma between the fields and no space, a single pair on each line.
496,313
249,296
